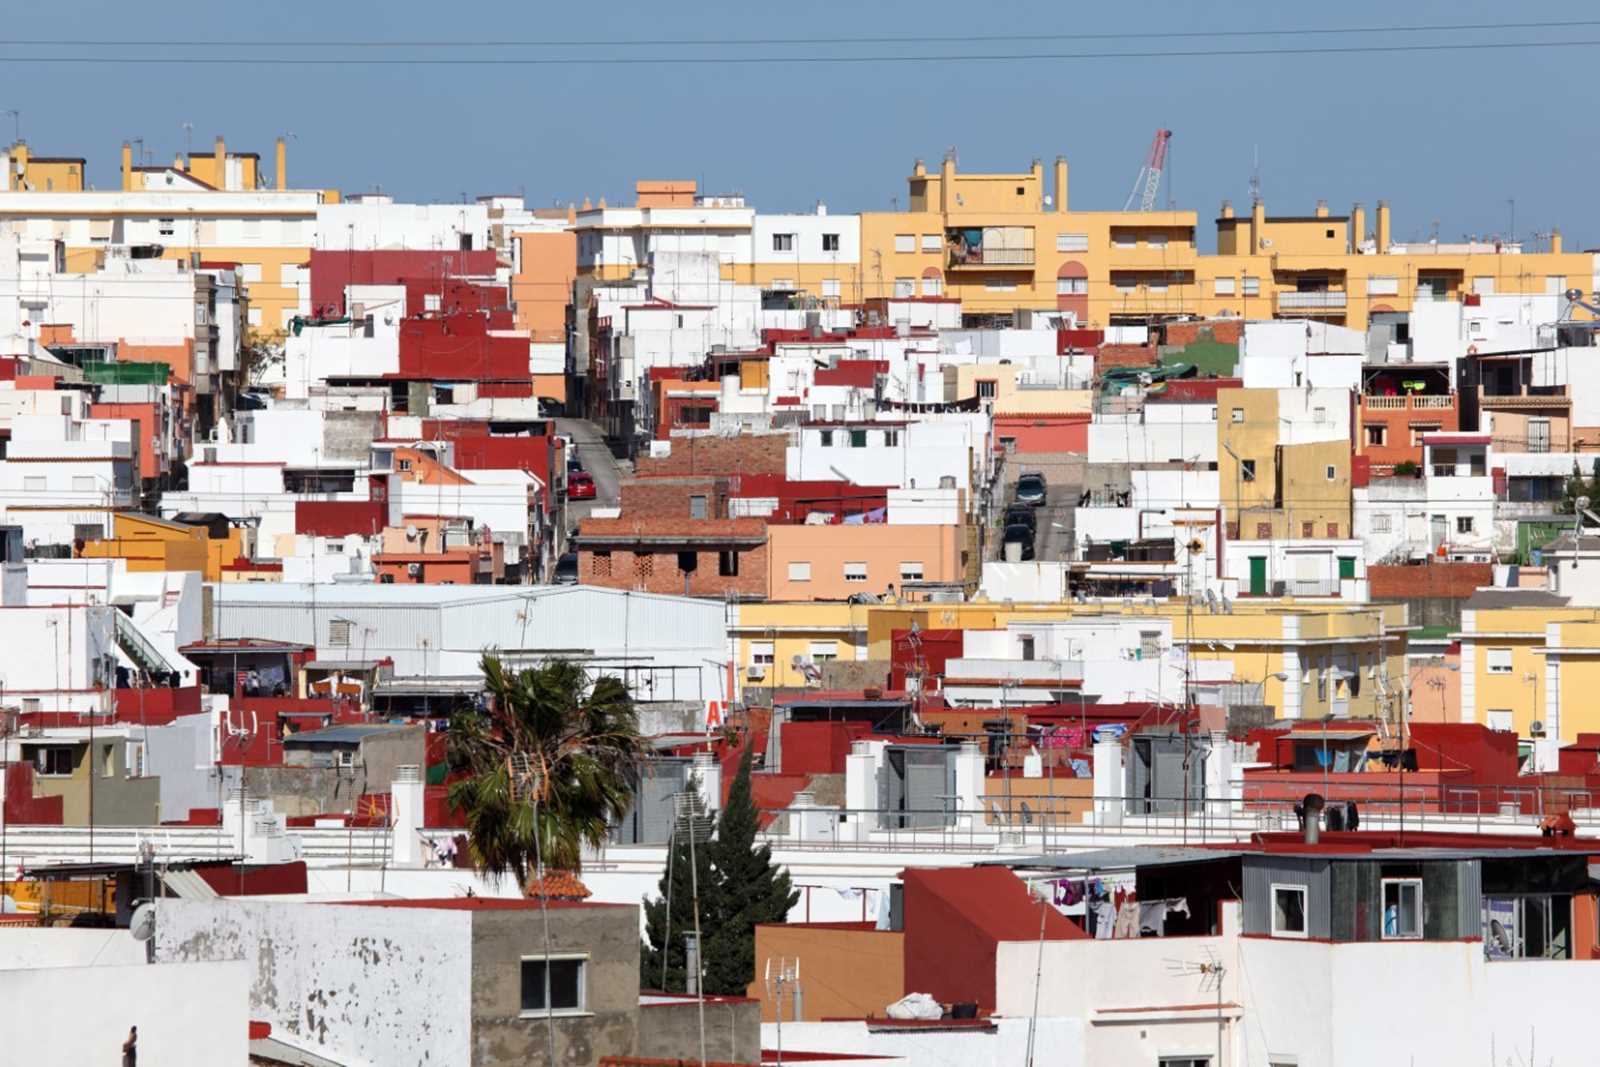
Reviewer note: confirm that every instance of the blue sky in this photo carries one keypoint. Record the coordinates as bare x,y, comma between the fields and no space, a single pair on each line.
1445,137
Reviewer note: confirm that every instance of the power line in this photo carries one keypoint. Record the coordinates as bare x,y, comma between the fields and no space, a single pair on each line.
1015,57
728,42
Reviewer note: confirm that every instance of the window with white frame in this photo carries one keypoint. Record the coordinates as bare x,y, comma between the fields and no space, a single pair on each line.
1289,910
905,242
1224,286
554,985
166,227
911,571
1402,909
800,571
289,274
1500,719
1383,285
253,317
1463,524
822,651
905,287
783,242
1380,524
1498,660
830,242
1072,286
1483,285
932,242
1072,242
830,287
34,484
932,285
250,272
763,653
855,572
1252,286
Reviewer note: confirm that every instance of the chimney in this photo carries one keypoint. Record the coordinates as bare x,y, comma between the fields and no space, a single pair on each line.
1037,170
127,166
283,166
919,169
1258,226
1227,209
1383,227
572,213
1358,226
177,162
1555,242
1311,816
219,165
947,181
406,790
1322,209
1061,185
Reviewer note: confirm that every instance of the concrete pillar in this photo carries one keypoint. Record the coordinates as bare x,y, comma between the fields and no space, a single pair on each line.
407,791
282,182
1383,227
1555,242
969,784
1358,226
1061,185
127,166
219,164
860,791
947,181
707,774
1109,785
1258,226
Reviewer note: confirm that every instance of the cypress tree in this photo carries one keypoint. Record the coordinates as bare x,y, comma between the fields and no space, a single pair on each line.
664,930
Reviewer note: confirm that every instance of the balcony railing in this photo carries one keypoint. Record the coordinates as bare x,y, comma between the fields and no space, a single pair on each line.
991,257
1333,298
1414,403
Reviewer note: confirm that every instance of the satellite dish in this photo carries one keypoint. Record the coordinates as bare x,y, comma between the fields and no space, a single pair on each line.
411,532
143,924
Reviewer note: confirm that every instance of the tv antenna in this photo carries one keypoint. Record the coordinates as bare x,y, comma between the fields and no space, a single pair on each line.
693,821
1211,972
785,974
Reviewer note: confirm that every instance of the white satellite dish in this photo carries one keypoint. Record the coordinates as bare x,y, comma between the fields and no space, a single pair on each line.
411,532
143,924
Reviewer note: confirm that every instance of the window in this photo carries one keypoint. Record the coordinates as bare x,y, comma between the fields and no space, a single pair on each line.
1534,926
1463,524
1500,719
339,632
165,227
1498,661
800,572
1288,910
1380,524
825,438
911,572
1072,242
53,761
1420,428
1156,240
1157,285
600,563
554,985
855,572
1263,531
1333,530
289,274
1027,648
697,506
905,287
728,563
200,315
1538,435
83,483
1184,1061
1149,644
858,439
403,465
1237,414
1377,435
1124,240
1319,415
1072,286
1247,469
932,242
1331,472
644,565
688,562
783,242
1554,283
891,438
1483,285
986,388
932,285
905,242
250,272
763,653
830,287
830,242
822,651
993,286
34,484
1383,286
1252,286
1224,286
1308,529
1402,908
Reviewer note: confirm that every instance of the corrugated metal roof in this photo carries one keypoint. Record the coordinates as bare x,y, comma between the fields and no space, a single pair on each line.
188,885
1106,859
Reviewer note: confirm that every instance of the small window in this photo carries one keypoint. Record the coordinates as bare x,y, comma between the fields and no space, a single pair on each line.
403,464
728,563
825,438
1072,286
1027,648
1252,286
855,572
697,507
891,438
932,285
830,287
1149,644
822,651
986,389
1308,529
932,242
1498,661
783,242
1463,524
1288,910
1224,286
1402,908
1263,531
800,572
763,653
1184,1061
910,572
1380,524
858,439
1331,472
556,985
165,227
1500,719
1072,242
1377,435
830,242
1237,415
905,242
53,761
1327,233
1124,240
1247,469
339,632
905,288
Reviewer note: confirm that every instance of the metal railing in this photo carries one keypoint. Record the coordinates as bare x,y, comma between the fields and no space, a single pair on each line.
1333,298
992,257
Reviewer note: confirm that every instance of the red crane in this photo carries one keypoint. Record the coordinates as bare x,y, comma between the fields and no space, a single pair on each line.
1149,178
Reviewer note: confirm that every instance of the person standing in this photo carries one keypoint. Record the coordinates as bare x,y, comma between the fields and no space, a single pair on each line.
130,1048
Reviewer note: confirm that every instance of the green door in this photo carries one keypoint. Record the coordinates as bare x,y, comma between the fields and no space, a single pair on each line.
1258,575
1347,567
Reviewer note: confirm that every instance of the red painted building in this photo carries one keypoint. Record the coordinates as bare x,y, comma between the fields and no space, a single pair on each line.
332,272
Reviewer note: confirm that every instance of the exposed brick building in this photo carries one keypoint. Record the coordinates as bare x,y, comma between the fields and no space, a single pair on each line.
675,555
679,498
745,454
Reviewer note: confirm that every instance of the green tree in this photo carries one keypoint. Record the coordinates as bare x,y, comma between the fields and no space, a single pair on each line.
750,890
550,764
665,927
1575,487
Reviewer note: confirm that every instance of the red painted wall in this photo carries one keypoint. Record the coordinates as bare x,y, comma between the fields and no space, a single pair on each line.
937,647
339,518
1044,434
818,747
157,705
331,272
460,348
145,422
22,806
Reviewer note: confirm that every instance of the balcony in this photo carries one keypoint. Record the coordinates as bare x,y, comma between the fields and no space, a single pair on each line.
991,259
1330,300
1524,402
1408,403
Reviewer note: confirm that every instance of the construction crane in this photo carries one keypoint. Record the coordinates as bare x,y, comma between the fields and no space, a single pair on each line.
1149,179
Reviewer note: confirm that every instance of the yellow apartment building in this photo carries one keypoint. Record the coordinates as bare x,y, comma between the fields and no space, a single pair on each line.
152,544
1273,490
769,636
1522,665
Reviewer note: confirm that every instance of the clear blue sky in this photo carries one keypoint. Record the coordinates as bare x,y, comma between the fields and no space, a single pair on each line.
1445,137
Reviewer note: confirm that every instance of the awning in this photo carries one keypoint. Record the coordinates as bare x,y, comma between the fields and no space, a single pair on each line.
1329,735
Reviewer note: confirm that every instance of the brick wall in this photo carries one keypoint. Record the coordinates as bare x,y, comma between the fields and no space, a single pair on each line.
1225,331
611,554
745,454
669,497
1107,356
1429,580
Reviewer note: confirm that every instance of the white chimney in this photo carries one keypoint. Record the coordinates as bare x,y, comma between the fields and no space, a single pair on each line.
407,791
1108,783
860,791
707,775
969,783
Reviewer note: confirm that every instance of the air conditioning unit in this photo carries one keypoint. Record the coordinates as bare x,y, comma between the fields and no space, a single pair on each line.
755,672
414,570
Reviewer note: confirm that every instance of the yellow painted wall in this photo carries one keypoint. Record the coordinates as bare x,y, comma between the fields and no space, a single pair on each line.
790,628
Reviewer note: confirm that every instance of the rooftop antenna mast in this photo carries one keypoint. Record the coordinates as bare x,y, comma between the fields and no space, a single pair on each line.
786,973
1255,173
1210,971
693,821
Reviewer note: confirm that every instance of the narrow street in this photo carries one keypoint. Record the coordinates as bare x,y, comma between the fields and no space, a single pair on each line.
595,455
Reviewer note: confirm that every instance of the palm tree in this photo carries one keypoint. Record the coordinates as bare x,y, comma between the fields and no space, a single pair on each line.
550,765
